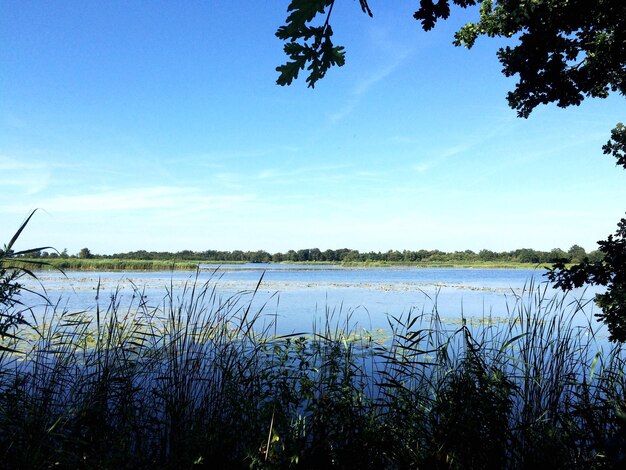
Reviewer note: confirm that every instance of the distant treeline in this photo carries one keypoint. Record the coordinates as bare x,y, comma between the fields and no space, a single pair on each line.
344,255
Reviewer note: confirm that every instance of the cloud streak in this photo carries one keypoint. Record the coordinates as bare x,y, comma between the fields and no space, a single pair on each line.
156,198
363,86
23,176
463,147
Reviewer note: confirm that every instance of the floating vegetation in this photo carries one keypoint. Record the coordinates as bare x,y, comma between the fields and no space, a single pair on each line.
201,378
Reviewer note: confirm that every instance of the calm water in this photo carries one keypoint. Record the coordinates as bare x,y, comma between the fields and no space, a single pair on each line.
300,295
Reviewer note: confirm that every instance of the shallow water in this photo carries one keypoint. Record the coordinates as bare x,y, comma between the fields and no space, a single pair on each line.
299,295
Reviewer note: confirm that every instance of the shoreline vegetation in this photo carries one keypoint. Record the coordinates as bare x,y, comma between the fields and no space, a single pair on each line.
203,381
524,258
113,264
200,378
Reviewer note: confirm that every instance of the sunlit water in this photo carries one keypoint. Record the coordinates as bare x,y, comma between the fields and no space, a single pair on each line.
299,295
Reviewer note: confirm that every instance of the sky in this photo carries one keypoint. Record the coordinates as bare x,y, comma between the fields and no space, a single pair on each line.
158,125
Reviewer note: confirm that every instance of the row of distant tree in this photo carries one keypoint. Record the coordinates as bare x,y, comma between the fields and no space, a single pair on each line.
575,254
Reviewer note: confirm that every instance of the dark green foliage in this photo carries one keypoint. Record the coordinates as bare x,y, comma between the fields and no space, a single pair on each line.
471,414
609,272
11,309
610,269
308,44
432,10
577,253
616,147
561,52
187,259
200,381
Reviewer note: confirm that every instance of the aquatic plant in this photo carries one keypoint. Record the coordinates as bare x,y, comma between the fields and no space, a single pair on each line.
12,311
201,378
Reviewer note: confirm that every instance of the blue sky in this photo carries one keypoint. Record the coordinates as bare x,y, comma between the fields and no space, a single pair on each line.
158,125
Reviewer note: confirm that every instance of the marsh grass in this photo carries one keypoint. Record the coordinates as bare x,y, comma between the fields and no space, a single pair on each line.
202,379
108,264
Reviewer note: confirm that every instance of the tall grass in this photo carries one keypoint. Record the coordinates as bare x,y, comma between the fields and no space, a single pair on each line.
12,310
201,379
108,264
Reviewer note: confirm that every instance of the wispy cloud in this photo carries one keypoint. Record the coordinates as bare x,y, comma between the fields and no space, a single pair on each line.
362,87
365,85
402,139
460,148
23,176
423,167
300,173
134,199
397,55
14,164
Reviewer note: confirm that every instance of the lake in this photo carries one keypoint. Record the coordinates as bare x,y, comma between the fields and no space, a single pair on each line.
299,295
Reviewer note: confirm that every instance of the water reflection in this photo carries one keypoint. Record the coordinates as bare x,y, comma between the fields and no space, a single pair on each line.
299,295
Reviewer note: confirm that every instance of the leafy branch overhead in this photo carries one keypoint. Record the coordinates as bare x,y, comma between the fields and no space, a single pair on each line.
560,51
609,272
307,44
617,145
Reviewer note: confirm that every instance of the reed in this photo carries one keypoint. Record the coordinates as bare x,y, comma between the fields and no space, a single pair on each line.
202,379
107,264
